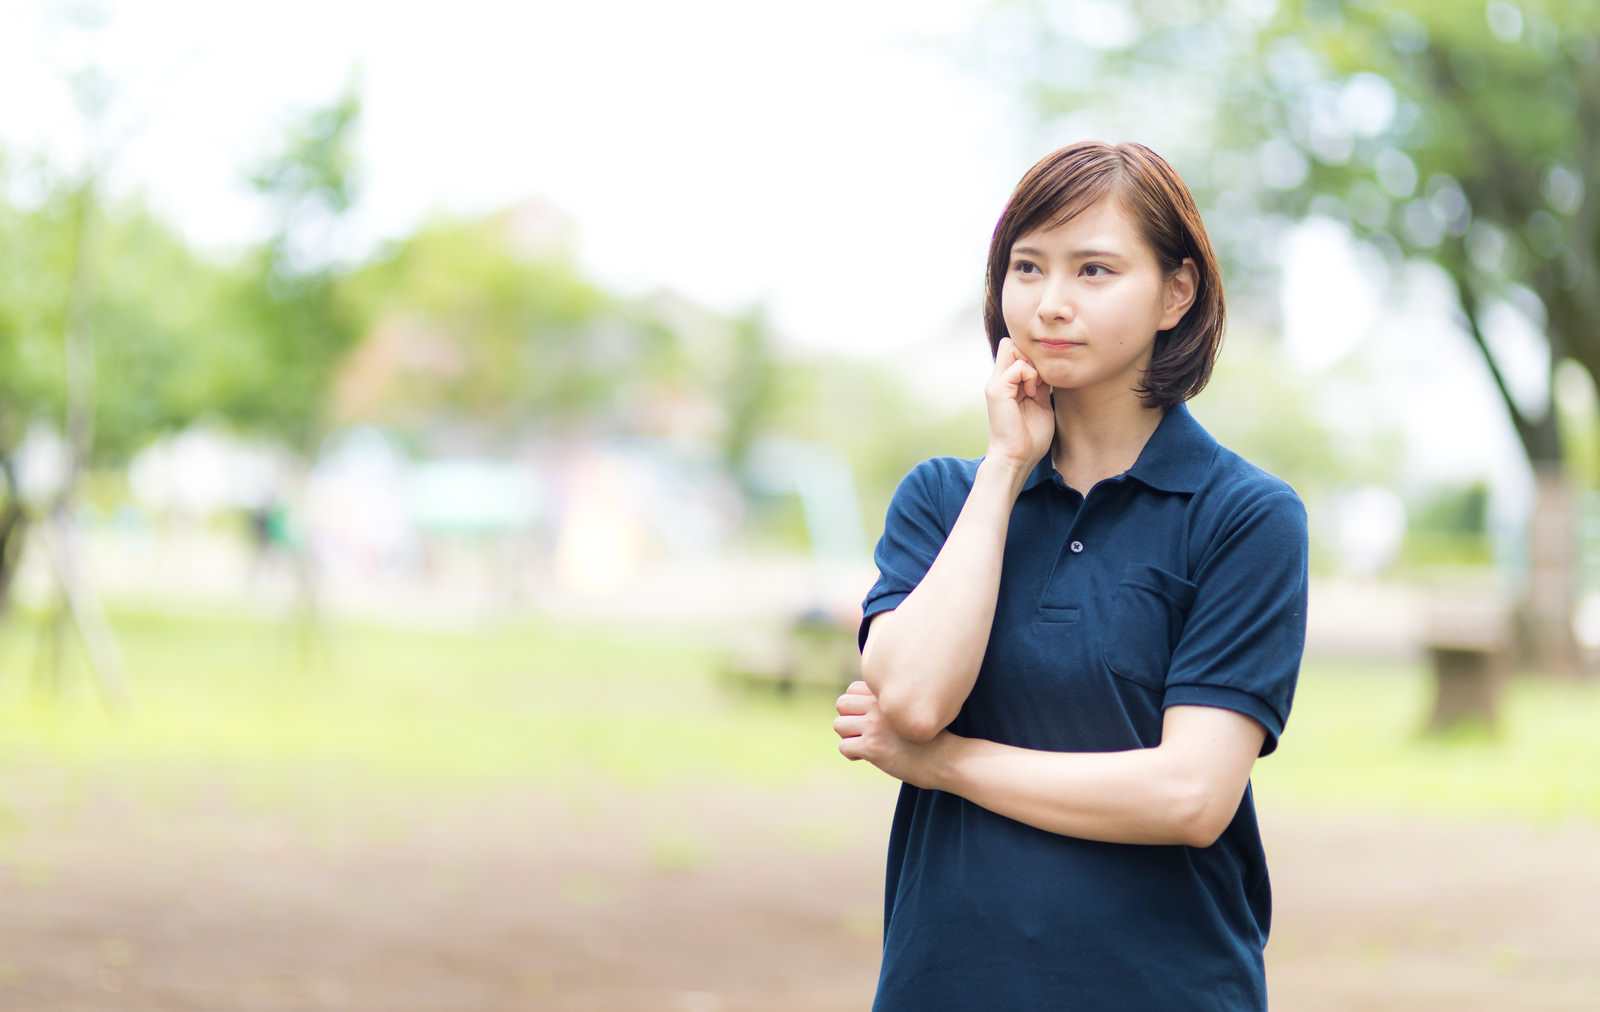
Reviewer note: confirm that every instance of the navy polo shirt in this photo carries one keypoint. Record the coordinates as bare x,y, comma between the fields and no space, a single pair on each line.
1181,581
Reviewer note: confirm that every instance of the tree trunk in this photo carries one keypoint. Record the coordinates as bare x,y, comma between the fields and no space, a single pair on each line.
1550,596
74,597
13,531
1551,591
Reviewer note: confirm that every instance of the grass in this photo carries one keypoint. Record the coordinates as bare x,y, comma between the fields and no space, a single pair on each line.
1354,743
411,710
401,709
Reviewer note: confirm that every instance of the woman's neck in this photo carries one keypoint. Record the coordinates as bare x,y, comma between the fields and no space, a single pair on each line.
1098,439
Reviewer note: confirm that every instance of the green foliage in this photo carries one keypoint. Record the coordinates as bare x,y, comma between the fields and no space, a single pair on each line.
1480,168
472,324
155,303
293,323
1450,528
462,325
1258,406
177,336
155,324
866,410
1460,511
311,180
33,282
749,386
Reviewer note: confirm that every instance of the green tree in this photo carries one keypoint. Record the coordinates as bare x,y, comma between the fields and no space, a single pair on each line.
469,325
492,325
292,322
151,303
70,331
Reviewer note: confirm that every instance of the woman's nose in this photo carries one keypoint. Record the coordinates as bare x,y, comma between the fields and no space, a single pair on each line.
1055,302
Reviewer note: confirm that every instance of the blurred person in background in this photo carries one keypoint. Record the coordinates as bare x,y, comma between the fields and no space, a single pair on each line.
1079,644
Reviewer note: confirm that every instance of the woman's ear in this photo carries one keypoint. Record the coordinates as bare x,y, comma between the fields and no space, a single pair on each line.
1182,287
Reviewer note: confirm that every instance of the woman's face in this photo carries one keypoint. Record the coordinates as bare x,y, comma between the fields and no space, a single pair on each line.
1083,301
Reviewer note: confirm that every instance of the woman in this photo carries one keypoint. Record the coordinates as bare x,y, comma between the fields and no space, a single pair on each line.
1078,644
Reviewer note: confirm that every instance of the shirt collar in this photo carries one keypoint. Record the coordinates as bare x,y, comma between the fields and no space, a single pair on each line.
1178,454
1043,472
1175,459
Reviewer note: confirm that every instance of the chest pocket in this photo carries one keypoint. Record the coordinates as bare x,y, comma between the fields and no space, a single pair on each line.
1146,618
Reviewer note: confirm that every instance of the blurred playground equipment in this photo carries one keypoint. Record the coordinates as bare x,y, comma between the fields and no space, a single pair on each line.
816,648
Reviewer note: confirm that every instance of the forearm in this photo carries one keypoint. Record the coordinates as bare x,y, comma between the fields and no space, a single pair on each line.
1115,797
1184,791
921,659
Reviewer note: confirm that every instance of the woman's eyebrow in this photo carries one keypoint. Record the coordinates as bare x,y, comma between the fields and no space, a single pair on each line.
1077,254
1096,254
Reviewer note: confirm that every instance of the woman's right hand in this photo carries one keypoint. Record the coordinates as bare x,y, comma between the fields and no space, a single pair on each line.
1022,422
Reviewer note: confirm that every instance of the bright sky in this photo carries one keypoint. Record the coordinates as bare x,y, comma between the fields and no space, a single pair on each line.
816,157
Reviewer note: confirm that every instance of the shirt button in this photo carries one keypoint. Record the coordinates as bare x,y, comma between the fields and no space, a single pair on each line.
1076,546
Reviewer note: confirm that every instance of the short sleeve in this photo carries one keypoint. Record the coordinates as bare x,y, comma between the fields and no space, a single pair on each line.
1242,640
913,533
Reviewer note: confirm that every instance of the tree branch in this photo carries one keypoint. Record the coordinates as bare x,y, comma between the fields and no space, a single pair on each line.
1527,430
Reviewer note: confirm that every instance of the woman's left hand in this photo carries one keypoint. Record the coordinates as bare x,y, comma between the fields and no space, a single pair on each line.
866,735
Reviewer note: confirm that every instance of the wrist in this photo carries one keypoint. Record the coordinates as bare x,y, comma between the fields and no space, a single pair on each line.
936,762
1005,471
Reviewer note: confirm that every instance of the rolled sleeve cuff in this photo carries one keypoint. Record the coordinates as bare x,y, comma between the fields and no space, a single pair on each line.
1224,698
877,606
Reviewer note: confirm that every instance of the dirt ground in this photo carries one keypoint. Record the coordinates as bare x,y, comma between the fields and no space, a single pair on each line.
720,901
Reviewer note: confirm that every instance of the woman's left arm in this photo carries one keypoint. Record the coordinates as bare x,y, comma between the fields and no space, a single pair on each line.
1186,790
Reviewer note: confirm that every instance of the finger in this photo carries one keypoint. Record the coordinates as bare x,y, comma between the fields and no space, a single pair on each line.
1030,382
855,698
1016,352
847,726
1005,375
1005,353
852,704
1017,374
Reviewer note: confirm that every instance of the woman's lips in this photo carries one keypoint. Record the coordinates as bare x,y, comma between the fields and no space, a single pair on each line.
1057,343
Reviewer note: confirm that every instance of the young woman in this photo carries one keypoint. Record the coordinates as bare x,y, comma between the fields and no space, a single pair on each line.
1078,644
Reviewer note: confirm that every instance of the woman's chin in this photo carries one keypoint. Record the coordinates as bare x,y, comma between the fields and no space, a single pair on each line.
1059,378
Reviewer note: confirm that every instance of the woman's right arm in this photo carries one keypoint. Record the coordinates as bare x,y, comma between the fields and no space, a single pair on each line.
922,658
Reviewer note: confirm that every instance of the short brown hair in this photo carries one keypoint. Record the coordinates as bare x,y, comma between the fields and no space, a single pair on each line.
1067,182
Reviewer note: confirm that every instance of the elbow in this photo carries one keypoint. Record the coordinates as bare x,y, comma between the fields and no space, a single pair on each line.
1199,815
915,720
1201,834
911,715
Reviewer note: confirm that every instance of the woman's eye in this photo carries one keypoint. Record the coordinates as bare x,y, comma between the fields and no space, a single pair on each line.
1096,270
1025,267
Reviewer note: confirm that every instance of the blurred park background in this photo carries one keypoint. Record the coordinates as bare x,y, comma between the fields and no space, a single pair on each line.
441,451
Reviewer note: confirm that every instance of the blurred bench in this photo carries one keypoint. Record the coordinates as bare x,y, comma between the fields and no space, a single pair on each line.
1470,649
815,651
